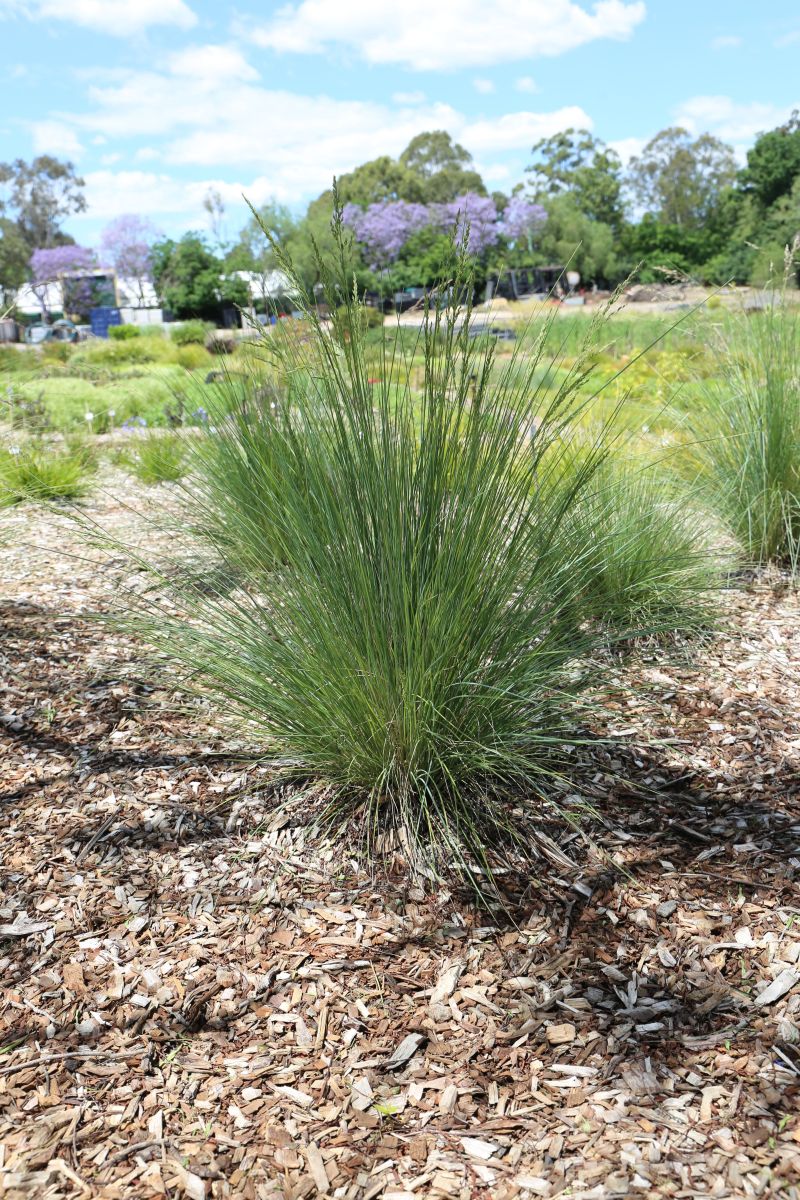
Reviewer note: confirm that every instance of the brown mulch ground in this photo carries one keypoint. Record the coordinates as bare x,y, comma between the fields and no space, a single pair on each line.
199,1000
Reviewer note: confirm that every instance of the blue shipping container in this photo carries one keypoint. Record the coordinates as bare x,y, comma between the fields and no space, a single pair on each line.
101,318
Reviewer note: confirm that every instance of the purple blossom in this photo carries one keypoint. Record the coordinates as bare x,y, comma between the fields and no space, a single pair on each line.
473,211
384,228
126,245
50,265
521,220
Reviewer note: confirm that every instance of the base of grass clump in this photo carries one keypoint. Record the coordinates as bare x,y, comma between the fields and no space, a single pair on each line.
40,470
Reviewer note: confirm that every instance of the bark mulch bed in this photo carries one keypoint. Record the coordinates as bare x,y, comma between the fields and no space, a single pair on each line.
201,1000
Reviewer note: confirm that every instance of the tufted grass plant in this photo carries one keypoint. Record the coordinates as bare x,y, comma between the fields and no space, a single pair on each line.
156,457
36,469
411,611
744,436
659,557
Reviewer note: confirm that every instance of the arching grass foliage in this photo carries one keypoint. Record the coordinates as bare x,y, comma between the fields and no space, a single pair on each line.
411,574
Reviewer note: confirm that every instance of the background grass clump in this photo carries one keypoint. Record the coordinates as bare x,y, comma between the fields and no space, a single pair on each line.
742,442
658,557
156,458
37,469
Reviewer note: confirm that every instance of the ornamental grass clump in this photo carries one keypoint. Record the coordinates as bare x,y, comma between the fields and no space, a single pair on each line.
36,469
157,457
744,435
658,556
399,610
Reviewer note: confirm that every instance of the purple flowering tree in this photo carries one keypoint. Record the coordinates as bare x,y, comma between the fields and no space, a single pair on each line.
384,228
126,245
521,220
52,264
473,212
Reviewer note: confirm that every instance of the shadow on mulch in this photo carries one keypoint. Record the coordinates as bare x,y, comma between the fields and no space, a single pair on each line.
709,852
84,708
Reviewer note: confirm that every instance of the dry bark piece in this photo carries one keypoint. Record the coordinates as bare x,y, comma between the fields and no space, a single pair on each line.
404,1051
782,984
558,1035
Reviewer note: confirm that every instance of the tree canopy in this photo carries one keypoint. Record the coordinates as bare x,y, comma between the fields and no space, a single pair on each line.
189,278
38,196
773,163
574,161
680,180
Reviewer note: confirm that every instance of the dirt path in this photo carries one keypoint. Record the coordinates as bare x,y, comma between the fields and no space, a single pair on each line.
198,1003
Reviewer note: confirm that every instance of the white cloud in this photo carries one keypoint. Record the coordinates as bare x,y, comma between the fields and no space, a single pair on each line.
628,148
448,34
518,131
112,193
212,65
728,119
297,142
120,18
526,84
54,137
493,172
109,193
726,41
788,39
484,86
404,98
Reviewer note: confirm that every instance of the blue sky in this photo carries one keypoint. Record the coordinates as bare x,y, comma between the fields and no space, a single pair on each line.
155,101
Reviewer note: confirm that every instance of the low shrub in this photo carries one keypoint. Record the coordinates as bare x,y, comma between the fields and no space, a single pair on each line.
38,470
190,331
191,356
122,333
56,352
112,397
102,351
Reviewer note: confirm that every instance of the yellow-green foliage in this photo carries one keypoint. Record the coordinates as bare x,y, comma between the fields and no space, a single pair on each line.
193,357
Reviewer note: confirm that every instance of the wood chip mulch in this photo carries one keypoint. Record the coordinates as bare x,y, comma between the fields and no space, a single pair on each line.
201,1000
